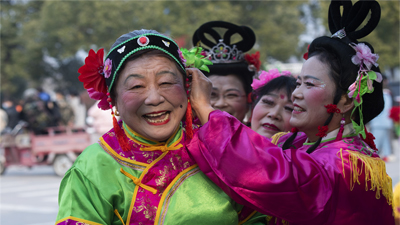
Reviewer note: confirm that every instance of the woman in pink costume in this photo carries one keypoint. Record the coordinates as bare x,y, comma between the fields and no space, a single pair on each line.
329,172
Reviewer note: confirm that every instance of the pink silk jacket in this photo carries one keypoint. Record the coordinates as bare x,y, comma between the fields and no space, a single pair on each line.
341,182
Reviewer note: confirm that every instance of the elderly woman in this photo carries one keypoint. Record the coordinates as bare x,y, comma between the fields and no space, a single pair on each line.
273,106
232,71
329,173
140,171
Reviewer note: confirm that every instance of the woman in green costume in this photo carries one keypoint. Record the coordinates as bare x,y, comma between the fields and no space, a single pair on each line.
139,172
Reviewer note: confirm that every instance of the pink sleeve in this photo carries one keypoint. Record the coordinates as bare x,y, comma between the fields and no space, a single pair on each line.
250,169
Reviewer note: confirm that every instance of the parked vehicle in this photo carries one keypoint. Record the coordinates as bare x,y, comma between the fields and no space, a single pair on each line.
59,147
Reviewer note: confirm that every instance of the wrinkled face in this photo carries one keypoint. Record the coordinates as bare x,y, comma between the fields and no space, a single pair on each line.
151,97
272,114
229,95
314,90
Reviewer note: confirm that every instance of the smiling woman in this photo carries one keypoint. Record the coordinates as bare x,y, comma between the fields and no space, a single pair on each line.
327,171
140,172
273,105
232,71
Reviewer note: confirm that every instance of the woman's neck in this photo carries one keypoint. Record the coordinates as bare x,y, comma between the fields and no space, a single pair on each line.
348,129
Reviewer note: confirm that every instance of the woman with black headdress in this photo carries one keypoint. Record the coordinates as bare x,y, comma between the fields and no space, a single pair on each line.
232,71
329,172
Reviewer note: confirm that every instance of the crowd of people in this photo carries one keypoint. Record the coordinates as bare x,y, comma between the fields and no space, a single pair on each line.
39,111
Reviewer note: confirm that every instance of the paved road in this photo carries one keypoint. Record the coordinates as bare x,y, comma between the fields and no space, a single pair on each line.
29,197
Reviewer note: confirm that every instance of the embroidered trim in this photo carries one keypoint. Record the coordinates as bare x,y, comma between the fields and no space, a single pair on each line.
137,187
138,182
163,148
78,220
375,172
275,138
126,162
330,139
119,216
166,196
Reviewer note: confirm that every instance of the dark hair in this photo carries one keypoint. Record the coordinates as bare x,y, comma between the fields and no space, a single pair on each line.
336,52
337,55
233,61
283,82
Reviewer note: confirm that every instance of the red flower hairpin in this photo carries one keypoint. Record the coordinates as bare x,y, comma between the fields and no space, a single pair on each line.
305,55
92,74
253,59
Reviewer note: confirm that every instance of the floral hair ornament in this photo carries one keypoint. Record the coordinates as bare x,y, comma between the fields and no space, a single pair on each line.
93,75
305,55
197,59
266,76
253,60
363,83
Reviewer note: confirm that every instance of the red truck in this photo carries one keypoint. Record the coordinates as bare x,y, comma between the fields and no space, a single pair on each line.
59,148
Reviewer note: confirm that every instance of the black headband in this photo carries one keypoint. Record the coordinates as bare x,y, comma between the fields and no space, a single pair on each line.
121,52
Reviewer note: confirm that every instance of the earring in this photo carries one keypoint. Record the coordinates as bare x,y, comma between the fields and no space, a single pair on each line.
340,133
116,112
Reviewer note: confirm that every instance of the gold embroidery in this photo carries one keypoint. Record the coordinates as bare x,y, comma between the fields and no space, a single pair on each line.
160,180
186,165
148,209
150,212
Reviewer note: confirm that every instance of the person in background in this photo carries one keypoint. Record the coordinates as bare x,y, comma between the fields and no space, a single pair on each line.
99,120
273,105
3,120
382,126
232,71
328,170
67,116
78,108
140,172
35,112
12,114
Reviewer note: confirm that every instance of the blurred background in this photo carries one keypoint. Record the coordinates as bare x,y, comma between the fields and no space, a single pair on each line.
43,44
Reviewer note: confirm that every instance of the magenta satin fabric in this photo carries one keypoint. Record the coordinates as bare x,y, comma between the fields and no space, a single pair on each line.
293,185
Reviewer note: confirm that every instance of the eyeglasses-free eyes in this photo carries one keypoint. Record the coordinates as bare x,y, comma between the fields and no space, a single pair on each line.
231,96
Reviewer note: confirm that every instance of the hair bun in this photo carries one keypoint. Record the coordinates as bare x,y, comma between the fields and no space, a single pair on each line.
353,16
244,45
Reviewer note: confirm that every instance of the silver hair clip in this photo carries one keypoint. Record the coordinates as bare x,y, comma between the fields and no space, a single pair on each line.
339,34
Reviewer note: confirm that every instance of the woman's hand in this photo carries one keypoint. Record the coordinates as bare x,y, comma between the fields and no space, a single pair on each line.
200,94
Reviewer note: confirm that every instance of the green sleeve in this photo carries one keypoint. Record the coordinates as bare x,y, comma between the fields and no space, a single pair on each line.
80,200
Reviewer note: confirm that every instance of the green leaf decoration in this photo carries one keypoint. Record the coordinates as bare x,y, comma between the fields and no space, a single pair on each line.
195,59
372,75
